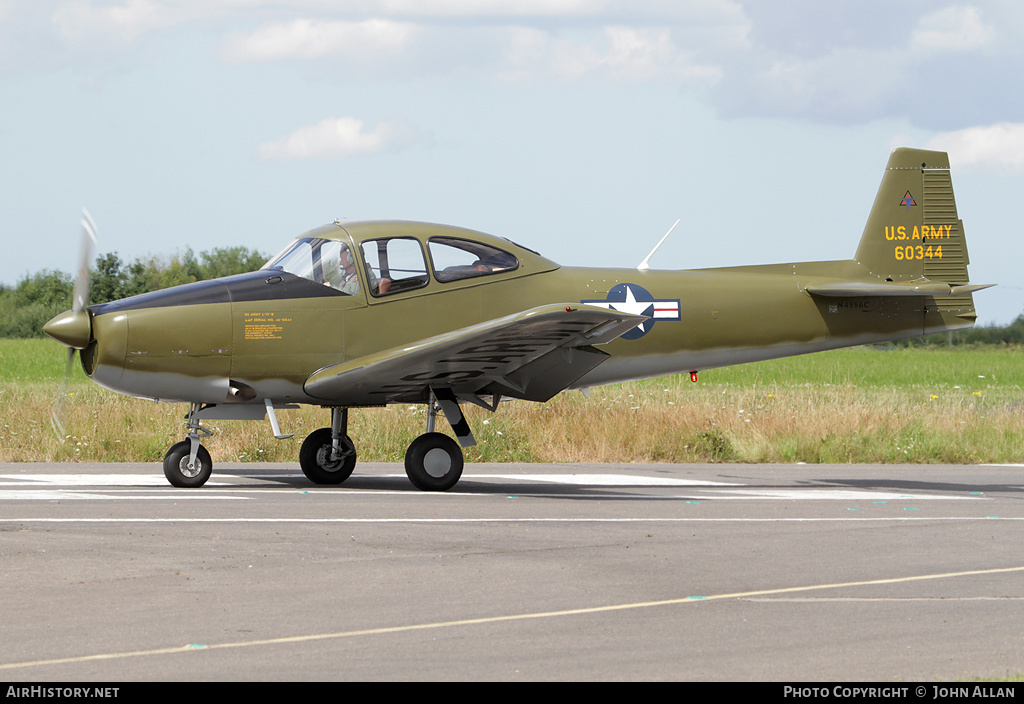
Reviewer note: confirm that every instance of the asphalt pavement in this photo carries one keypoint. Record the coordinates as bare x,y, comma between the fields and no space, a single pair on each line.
785,573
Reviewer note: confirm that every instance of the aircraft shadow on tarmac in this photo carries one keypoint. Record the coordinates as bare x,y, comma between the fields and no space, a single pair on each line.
918,486
483,484
487,484
894,484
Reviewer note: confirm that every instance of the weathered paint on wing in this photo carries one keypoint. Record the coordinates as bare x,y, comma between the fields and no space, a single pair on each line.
533,355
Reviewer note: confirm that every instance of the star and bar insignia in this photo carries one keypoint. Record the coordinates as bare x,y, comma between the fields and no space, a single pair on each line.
634,299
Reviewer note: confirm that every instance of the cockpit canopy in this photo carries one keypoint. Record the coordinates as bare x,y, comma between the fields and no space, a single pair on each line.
391,264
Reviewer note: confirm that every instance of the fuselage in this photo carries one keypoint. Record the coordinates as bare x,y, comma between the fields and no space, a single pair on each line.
260,335
366,314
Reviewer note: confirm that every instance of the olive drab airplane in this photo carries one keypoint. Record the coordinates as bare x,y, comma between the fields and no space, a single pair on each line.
364,314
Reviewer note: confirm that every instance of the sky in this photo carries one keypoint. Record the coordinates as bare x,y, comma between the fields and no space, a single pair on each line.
582,129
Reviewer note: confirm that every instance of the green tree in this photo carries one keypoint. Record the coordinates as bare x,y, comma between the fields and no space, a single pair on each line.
108,279
25,308
225,261
181,269
47,288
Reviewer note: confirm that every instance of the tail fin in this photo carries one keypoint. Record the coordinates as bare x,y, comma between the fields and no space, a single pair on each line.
913,231
913,236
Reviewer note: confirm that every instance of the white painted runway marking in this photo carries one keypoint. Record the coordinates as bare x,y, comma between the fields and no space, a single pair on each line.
49,487
602,479
571,479
513,519
157,480
88,480
810,494
72,495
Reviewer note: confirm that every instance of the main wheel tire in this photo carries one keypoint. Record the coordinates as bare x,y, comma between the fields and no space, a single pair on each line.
434,462
315,454
176,467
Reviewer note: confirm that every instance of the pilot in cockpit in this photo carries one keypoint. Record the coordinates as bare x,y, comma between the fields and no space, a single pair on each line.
348,281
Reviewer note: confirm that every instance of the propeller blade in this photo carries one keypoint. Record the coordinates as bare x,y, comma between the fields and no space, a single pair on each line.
79,299
57,416
85,250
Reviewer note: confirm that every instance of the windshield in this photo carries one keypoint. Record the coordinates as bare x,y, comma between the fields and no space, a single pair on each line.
327,262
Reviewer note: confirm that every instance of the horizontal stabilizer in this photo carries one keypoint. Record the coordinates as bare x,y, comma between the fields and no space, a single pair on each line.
850,289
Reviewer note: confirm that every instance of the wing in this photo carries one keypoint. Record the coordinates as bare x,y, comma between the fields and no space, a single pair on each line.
531,355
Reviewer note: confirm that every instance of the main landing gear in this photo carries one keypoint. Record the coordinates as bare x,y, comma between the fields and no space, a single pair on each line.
433,461
328,455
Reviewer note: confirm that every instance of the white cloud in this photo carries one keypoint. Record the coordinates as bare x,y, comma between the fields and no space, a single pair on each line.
846,62
1000,145
941,65
618,52
641,40
847,84
461,8
951,29
518,10
80,20
339,137
638,53
310,39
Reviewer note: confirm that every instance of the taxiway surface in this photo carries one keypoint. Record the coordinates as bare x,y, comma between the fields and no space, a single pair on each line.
522,572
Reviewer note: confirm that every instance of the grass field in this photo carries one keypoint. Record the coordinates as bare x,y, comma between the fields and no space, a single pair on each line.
856,405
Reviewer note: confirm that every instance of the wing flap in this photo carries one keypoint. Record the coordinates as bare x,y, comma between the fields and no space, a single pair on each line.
532,355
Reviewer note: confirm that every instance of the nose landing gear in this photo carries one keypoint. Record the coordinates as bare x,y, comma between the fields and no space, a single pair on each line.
187,464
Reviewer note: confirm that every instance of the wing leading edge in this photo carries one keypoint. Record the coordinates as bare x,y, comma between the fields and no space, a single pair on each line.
532,355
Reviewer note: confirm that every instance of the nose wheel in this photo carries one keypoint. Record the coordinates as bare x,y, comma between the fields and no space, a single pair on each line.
182,470
187,464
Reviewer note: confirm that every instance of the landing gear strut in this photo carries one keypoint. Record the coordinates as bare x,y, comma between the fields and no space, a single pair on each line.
328,455
187,464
